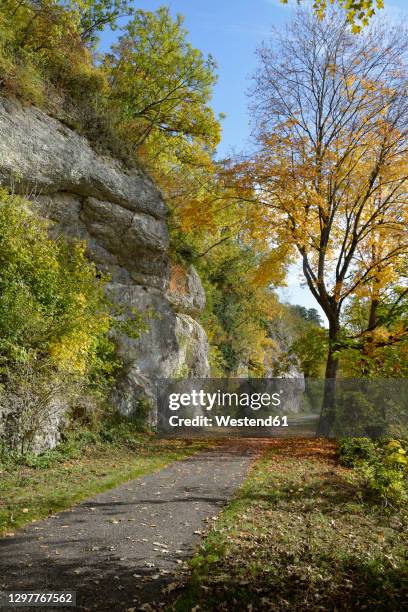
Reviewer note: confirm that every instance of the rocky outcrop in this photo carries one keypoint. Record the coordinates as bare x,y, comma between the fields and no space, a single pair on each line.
121,215
186,293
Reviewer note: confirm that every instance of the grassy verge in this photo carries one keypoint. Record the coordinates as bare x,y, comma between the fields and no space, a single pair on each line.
83,465
300,536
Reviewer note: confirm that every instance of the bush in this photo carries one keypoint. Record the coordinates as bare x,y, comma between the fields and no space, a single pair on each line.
55,323
383,465
353,451
387,476
52,302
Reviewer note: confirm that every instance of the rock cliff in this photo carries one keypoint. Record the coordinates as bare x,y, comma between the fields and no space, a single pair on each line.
121,215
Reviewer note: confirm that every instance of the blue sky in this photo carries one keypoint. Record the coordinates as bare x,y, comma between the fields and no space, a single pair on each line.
231,30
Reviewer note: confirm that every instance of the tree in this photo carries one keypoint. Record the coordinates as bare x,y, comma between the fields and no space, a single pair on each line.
308,314
310,348
89,16
42,56
358,12
161,87
94,15
331,170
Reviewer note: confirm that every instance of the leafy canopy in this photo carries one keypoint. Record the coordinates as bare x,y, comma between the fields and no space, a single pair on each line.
358,12
160,86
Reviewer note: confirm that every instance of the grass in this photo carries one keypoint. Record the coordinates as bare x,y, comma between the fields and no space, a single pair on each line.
85,464
299,535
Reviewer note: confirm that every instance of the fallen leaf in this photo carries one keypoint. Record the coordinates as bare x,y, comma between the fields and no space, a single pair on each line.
170,587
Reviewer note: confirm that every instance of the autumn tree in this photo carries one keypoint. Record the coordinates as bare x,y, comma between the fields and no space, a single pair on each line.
358,12
331,169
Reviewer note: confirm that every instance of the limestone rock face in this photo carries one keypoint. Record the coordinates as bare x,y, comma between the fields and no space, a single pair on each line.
193,348
39,152
186,292
121,215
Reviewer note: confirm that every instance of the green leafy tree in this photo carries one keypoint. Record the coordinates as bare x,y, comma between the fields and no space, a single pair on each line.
42,57
308,314
160,87
94,15
311,350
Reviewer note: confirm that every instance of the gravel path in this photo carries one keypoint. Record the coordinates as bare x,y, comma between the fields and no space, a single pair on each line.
122,549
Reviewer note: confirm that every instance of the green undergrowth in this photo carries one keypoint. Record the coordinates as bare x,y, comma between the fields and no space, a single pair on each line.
383,466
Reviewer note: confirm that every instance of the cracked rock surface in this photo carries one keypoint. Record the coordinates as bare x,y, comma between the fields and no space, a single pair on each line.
121,216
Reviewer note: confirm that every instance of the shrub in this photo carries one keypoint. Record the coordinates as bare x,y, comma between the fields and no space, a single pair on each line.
52,303
387,475
383,465
55,327
354,450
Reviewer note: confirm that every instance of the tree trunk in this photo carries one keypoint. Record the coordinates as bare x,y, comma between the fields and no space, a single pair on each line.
327,414
368,350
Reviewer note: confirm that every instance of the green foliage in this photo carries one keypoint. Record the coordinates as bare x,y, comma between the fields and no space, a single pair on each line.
52,304
160,87
303,342
354,410
310,348
354,450
148,98
376,410
308,314
377,356
55,326
237,312
42,55
387,474
94,15
382,464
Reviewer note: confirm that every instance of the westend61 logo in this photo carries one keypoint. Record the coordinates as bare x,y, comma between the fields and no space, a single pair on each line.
276,407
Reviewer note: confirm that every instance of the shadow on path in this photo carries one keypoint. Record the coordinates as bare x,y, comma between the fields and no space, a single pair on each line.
124,547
